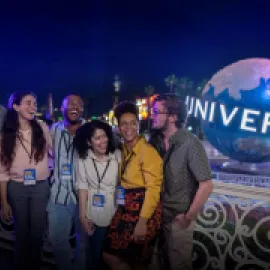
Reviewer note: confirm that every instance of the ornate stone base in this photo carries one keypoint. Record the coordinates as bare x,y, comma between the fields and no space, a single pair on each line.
247,168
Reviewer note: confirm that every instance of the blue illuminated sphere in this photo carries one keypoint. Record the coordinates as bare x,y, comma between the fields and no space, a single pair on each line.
245,84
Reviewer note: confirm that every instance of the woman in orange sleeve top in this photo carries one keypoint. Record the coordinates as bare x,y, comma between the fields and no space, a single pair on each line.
136,223
24,146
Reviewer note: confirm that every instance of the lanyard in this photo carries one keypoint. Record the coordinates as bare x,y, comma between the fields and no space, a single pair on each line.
125,163
68,145
29,154
104,172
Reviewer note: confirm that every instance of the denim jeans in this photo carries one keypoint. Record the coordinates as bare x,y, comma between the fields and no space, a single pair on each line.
95,244
61,219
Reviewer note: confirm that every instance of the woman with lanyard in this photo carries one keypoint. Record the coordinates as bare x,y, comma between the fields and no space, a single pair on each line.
132,234
97,174
24,147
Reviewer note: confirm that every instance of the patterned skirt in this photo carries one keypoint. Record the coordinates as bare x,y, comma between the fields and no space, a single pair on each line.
119,240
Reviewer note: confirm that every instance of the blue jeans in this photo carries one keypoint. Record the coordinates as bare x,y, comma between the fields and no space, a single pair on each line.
61,218
95,243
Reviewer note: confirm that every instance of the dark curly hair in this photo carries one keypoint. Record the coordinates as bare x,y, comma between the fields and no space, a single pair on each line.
126,107
174,106
10,131
86,132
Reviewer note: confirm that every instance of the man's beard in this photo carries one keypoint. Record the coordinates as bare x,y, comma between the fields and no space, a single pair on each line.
72,122
164,127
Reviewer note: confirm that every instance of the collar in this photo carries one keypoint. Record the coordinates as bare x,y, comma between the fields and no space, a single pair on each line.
108,157
179,136
141,140
60,125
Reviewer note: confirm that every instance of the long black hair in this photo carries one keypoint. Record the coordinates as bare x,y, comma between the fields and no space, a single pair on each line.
10,134
86,132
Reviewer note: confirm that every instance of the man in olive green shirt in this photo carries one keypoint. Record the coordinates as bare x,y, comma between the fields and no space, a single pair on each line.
187,180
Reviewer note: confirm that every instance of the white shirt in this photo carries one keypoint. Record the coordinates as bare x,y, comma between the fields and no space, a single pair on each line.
87,179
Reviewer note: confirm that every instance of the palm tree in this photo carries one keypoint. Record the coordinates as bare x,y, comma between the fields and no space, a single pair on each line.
200,87
171,81
149,91
185,86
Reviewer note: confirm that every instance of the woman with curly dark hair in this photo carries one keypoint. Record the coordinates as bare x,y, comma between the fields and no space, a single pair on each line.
97,174
136,223
24,146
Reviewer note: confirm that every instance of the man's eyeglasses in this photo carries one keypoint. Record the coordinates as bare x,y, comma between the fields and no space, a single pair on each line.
156,112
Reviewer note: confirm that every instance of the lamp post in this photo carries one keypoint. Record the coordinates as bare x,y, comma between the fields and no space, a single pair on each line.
117,85
50,109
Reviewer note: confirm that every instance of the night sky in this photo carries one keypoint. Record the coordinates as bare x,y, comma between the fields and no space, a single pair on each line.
78,46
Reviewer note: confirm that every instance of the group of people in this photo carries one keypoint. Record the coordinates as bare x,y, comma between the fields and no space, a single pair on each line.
124,202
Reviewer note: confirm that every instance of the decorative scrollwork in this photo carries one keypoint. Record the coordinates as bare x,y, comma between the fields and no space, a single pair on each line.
232,231
214,262
240,240
213,215
221,237
239,253
243,203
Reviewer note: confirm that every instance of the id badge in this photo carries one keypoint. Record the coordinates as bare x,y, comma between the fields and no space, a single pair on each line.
98,202
66,171
120,195
29,177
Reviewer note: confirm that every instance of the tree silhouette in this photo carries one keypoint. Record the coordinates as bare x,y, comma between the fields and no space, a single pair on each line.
184,87
200,87
171,81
